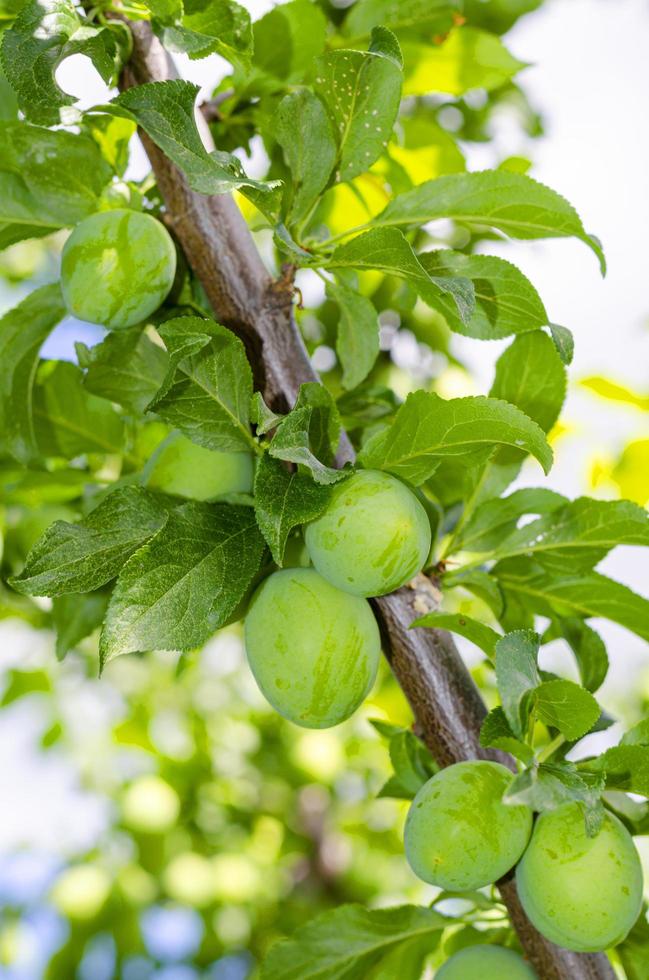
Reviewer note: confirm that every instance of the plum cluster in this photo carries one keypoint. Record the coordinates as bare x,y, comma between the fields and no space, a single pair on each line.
312,641
583,893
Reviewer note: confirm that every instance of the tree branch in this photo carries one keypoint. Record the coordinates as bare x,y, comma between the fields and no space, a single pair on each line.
222,254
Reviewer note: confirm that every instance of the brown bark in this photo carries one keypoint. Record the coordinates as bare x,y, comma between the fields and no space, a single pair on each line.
446,703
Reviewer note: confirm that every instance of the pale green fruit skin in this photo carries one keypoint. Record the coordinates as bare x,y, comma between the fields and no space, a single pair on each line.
583,893
373,537
180,467
314,650
459,834
485,963
117,268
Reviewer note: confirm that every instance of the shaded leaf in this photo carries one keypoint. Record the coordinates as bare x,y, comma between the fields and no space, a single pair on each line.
582,595
531,375
344,944
185,582
567,707
506,302
75,617
82,557
126,367
517,675
303,129
427,427
362,91
388,250
496,732
284,500
512,203
23,330
357,339
68,419
207,27
49,179
471,629
208,396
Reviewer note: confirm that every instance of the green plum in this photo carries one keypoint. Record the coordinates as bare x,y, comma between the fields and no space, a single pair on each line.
314,650
485,963
373,537
180,467
583,893
117,268
459,834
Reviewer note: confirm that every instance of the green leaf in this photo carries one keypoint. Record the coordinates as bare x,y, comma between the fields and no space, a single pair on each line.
412,763
42,36
506,302
211,27
483,636
589,650
82,557
283,500
626,767
344,944
49,179
287,40
517,674
478,583
357,341
165,111
429,17
496,733
566,706
261,416
548,786
208,398
388,250
75,617
577,535
513,203
23,330
69,420
634,950
581,595
302,128
467,59
427,428
185,582
310,433
361,91
531,375
494,520
126,367
564,342
638,734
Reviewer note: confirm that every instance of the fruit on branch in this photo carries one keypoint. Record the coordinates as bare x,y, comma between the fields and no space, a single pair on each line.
583,893
117,268
459,834
180,467
313,649
373,537
485,963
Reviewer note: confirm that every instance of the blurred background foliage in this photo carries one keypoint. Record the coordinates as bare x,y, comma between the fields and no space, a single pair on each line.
164,822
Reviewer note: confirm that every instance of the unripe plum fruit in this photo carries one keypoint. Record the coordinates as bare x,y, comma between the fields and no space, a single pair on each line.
373,537
117,268
485,963
459,834
180,467
314,650
583,893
